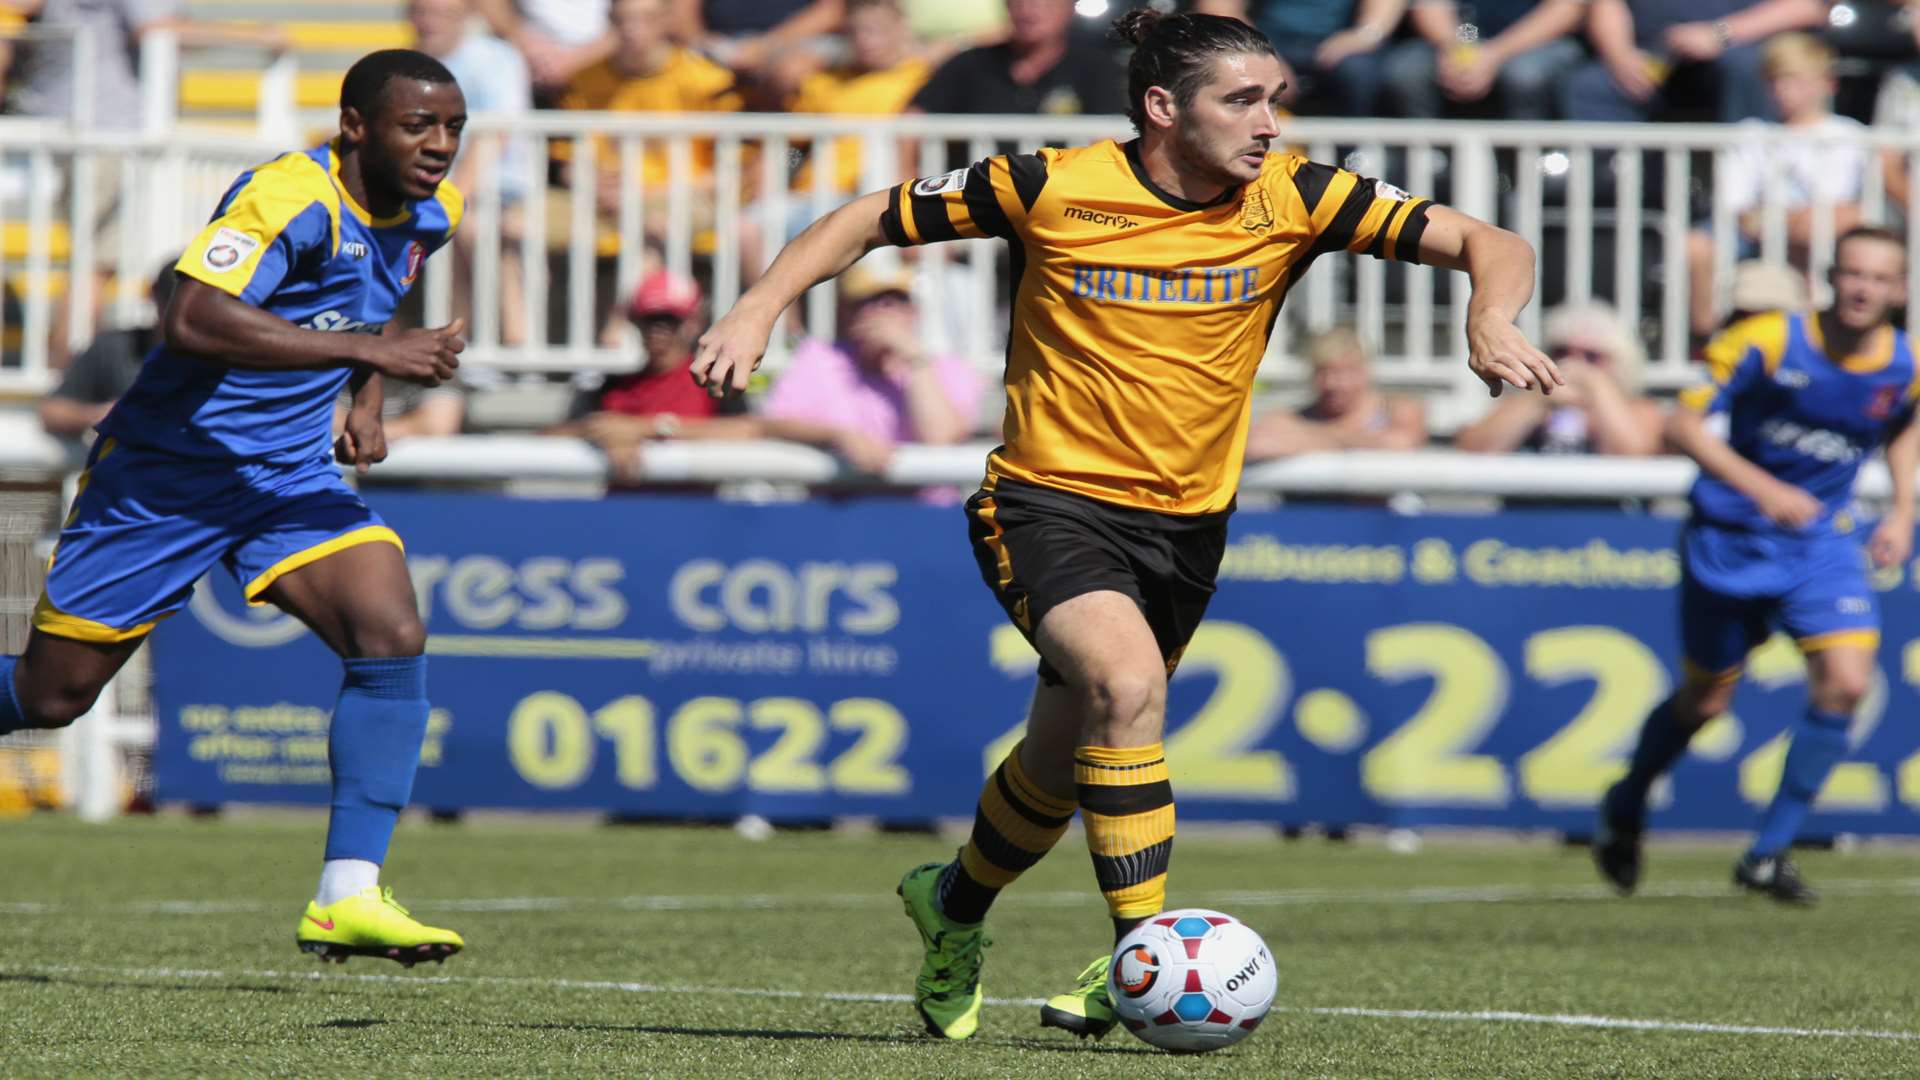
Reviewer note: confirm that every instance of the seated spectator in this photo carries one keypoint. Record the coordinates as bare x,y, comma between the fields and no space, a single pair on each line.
1329,49
660,400
876,387
559,38
103,371
1824,161
879,79
1600,410
646,73
1348,412
751,37
1498,59
1653,55
493,76
1042,67
1763,286
411,411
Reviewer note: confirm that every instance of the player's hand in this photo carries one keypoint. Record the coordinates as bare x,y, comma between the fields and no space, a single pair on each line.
1788,505
427,357
1501,355
726,355
362,442
1892,541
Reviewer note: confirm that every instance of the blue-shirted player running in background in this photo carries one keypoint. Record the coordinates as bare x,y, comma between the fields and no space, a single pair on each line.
220,453
1772,540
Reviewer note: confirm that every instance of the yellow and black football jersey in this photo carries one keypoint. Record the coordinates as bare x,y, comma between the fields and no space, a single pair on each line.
1138,317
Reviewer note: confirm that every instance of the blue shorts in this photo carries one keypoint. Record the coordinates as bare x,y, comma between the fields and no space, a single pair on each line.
1738,586
146,525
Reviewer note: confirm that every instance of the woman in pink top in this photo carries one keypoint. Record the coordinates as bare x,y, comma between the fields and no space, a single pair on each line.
879,385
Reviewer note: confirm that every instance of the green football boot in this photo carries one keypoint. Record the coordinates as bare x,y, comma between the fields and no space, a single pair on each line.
947,991
1086,1009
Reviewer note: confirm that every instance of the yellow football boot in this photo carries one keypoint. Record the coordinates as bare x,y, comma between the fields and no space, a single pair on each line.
369,923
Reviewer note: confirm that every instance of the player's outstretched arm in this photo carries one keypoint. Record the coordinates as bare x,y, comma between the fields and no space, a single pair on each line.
730,350
211,324
1500,265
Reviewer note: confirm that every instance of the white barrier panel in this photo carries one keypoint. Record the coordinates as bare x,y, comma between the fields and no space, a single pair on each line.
1608,206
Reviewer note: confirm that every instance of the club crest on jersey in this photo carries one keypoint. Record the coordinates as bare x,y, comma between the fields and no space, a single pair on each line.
1384,190
228,249
1256,212
415,256
934,185
1880,406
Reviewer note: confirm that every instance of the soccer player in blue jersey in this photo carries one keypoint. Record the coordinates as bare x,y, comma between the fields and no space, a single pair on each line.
220,453
1772,541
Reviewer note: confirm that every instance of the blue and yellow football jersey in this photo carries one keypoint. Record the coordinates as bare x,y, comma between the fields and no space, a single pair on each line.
1810,420
1806,418
288,239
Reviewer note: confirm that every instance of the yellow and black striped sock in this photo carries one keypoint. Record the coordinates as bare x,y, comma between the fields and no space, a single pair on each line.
1015,825
1126,804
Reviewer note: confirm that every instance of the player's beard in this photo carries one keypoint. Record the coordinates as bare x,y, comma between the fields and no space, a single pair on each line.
1208,158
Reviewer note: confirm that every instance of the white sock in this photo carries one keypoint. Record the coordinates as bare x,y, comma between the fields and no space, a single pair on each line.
341,878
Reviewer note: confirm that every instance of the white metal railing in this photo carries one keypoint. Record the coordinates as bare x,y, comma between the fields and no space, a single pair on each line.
1568,188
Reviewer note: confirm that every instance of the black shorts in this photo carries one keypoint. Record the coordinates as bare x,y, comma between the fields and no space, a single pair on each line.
1038,548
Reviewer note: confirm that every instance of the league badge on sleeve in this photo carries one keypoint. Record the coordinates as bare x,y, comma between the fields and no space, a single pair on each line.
1384,190
934,185
228,249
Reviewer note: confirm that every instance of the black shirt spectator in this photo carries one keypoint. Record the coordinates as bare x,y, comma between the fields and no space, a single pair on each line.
1087,80
96,378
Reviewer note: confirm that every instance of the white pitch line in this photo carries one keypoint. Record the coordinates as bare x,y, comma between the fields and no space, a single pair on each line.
1249,898
860,997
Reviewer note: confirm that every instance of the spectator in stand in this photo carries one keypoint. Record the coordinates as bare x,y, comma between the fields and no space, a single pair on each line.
881,75
493,76
104,370
1348,412
659,401
1600,410
1330,50
1042,67
1653,55
559,38
751,37
878,386
1497,59
411,411
1820,159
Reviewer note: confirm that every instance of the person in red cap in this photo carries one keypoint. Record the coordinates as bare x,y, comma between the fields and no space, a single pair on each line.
660,400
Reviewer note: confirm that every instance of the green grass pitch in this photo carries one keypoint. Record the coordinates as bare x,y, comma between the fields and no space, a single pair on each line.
164,948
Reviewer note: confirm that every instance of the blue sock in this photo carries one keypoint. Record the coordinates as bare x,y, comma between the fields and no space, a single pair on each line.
11,718
374,748
1818,745
1662,741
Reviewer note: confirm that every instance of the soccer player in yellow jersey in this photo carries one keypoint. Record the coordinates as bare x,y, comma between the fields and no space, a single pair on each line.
1146,277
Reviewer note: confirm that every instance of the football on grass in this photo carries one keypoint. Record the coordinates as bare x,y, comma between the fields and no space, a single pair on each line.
1191,980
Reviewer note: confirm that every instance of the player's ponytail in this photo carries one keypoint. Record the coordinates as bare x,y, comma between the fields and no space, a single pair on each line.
1176,52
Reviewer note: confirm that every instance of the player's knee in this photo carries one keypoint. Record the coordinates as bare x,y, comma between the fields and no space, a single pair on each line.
1123,703
398,633
1698,703
1840,692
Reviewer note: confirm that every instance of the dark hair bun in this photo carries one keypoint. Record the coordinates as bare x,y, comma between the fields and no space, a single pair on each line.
1134,26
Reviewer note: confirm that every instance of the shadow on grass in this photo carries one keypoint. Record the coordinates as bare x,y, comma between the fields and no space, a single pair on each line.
115,984
907,1039
353,1025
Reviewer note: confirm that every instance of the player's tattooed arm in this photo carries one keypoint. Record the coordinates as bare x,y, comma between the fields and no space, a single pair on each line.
1500,265
208,323
729,352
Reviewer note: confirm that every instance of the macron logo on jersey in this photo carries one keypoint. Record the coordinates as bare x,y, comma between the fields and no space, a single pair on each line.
1187,285
1096,217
